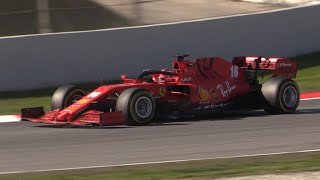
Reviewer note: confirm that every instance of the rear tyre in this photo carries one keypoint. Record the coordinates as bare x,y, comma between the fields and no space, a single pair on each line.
137,106
66,95
281,95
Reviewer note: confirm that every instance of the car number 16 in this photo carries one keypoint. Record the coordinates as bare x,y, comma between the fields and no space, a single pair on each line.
234,71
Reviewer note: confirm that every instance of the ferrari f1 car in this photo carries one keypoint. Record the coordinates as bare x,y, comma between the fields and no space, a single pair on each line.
190,88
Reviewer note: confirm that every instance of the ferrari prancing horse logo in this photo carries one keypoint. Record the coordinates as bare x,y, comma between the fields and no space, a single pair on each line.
204,95
162,91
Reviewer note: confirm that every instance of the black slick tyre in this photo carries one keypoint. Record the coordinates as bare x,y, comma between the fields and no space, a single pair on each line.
66,95
281,95
137,105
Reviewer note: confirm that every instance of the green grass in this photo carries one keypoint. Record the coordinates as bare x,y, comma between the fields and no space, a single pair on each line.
11,102
309,72
13,106
204,169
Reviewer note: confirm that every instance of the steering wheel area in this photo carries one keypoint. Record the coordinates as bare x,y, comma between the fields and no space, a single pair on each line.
151,76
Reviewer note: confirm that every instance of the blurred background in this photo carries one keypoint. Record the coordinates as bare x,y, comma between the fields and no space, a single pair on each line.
18,17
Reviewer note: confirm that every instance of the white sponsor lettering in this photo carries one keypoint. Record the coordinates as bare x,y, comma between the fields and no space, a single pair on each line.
285,65
226,91
187,79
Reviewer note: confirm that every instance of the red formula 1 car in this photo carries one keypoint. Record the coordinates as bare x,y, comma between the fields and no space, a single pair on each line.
192,87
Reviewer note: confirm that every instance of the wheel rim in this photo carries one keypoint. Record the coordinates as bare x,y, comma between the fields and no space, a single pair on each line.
143,107
290,96
74,99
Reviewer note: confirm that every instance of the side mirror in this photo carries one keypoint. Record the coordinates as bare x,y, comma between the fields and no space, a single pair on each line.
123,77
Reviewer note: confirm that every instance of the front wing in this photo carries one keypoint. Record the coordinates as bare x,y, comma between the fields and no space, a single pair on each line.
38,115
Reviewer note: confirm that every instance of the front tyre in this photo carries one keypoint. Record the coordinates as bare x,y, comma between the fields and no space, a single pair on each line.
282,95
137,106
66,95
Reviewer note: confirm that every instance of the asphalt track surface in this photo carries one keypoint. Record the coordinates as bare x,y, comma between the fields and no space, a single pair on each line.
26,146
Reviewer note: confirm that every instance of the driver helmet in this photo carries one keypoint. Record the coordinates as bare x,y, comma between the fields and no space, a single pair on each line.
162,78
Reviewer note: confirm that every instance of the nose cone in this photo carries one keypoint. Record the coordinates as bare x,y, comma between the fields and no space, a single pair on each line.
62,116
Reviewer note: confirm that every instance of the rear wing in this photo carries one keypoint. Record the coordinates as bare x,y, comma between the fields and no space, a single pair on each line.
280,66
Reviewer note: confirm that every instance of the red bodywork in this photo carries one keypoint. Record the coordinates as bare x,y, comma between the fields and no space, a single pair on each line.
203,82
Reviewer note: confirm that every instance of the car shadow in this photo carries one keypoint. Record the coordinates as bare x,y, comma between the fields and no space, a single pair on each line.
230,115
156,123
308,111
238,115
83,127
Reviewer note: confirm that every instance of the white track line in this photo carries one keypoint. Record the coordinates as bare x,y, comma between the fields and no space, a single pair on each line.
309,99
9,118
162,162
165,24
